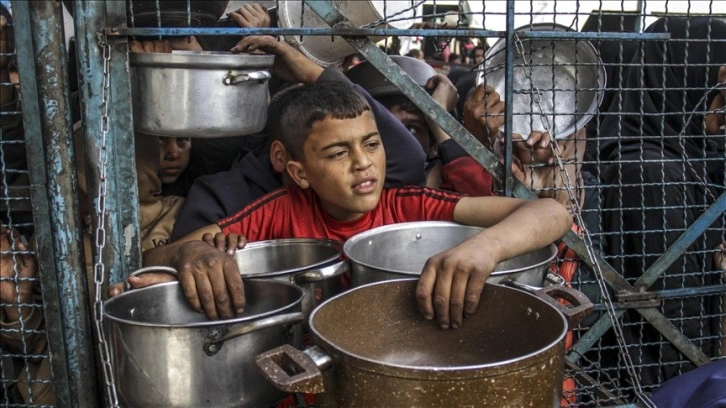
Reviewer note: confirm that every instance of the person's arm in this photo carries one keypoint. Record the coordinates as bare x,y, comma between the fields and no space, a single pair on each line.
452,281
203,205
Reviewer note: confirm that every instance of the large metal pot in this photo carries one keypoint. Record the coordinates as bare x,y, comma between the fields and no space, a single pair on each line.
373,349
199,94
165,354
316,265
400,251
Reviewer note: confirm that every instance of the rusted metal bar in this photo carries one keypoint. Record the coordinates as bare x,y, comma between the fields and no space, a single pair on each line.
46,108
377,32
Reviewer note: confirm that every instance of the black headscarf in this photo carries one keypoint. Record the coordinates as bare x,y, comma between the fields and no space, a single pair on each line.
668,81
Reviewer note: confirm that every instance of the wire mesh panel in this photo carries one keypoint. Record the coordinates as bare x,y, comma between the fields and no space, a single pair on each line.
25,369
613,108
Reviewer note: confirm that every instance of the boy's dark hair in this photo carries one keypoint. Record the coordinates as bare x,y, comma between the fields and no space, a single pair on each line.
293,111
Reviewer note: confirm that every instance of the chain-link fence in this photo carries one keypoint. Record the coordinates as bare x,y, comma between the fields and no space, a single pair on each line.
630,94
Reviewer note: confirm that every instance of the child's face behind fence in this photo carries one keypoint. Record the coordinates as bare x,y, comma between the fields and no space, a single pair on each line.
344,163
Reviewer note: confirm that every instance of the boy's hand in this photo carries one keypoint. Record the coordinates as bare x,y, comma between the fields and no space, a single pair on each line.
210,279
484,114
229,243
451,283
290,64
251,16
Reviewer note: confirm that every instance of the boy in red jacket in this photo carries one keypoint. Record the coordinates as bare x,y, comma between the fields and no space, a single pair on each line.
338,168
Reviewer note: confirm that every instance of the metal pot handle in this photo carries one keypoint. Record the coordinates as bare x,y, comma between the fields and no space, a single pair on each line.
149,269
259,76
213,345
317,275
292,370
581,306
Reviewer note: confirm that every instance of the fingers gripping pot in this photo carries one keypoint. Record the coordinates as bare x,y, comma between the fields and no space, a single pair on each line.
400,251
199,94
165,354
373,349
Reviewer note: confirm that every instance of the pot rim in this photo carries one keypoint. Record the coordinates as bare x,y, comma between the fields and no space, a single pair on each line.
414,370
204,324
200,60
321,265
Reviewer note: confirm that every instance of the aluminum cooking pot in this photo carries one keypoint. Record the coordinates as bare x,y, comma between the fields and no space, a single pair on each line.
373,349
165,354
199,94
316,265
557,85
400,251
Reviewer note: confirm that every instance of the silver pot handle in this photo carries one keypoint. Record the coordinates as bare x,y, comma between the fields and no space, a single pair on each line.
150,269
213,345
259,76
291,370
317,275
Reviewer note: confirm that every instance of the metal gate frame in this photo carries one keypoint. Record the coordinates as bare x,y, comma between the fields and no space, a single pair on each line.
53,179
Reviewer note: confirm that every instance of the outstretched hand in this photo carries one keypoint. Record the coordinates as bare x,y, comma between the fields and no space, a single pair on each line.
483,114
251,16
290,64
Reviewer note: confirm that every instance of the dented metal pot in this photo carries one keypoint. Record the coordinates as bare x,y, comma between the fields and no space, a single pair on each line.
165,354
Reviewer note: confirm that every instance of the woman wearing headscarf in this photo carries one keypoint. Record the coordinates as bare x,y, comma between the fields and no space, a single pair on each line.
661,169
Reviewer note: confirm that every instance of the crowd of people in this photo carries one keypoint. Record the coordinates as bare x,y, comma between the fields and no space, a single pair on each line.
346,151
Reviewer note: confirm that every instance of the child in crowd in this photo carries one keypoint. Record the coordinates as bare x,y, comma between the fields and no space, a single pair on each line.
219,195
448,166
338,165
174,157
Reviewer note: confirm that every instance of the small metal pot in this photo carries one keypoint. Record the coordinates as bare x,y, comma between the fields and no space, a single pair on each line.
400,251
199,94
165,354
373,349
316,265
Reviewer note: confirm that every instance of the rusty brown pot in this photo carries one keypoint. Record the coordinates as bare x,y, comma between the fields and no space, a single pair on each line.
374,349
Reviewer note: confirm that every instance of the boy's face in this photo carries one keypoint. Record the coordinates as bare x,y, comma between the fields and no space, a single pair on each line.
344,162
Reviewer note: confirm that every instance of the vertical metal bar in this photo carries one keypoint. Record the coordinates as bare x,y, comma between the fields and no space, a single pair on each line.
44,93
508,98
122,252
123,159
